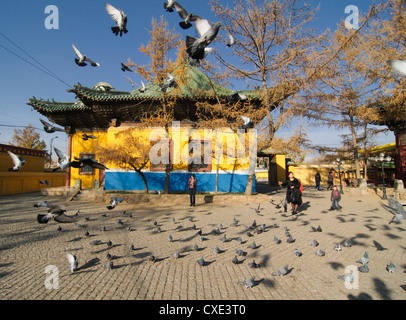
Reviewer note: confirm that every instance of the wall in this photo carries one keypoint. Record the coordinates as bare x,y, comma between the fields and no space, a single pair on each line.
232,177
22,182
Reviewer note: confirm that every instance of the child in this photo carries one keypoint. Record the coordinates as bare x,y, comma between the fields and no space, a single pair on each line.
335,198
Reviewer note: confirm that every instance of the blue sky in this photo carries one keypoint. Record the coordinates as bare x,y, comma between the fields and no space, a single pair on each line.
87,25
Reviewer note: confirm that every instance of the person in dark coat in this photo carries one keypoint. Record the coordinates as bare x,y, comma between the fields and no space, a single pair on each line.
330,180
192,184
317,179
293,194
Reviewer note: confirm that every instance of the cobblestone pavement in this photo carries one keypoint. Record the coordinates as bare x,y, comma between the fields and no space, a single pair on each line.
28,249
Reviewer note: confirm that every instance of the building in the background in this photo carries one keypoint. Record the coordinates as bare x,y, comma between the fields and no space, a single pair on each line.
103,112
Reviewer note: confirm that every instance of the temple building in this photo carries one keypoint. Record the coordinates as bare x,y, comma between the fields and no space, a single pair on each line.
103,112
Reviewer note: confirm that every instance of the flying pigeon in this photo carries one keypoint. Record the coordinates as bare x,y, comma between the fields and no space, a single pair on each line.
82,58
119,17
196,62
207,33
90,162
396,208
44,182
88,136
56,213
143,88
246,124
320,252
399,66
73,262
168,83
257,210
364,259
125,68
114,202
231,40
248,283
64,162
48,128
390,267
17,161
186,17
236,96
169,5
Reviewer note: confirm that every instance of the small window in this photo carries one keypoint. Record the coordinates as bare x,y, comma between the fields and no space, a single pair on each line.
205,164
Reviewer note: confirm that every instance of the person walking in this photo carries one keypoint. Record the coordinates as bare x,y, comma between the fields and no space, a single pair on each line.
317,179
192,185
330,180
293,194
335,199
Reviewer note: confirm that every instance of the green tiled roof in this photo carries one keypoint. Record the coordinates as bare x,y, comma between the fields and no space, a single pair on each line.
53,106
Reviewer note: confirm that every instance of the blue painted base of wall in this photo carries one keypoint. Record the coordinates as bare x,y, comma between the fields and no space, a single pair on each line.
132,181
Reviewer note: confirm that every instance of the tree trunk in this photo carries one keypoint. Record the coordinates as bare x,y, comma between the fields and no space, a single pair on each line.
143,179
355,149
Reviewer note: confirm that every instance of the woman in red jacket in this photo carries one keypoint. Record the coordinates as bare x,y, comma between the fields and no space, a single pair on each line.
192,184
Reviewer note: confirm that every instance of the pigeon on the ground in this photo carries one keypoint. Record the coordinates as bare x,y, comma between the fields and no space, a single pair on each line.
44,203
252,245
17,161
49,128
168,83
80,60
152,258
73,262
170,239
201,262
364,259
347,278
276,240
95,242
109,243
290,239
253,264
223,238
297,253
114,202
176,255
119,17
318,229
235,222
347,243
281,272
207,33
86,137
320,252
56,213
248,283
364,268
125,68
240,252
390,267
235,260
337,247
396,208
109,265
314,243
216,249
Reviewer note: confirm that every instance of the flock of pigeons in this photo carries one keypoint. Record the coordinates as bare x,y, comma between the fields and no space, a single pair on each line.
58,214
196,48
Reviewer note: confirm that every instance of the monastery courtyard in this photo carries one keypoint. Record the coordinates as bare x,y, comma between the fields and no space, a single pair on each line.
33,263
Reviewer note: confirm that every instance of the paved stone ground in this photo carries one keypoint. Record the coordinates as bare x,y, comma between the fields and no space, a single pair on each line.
27,248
